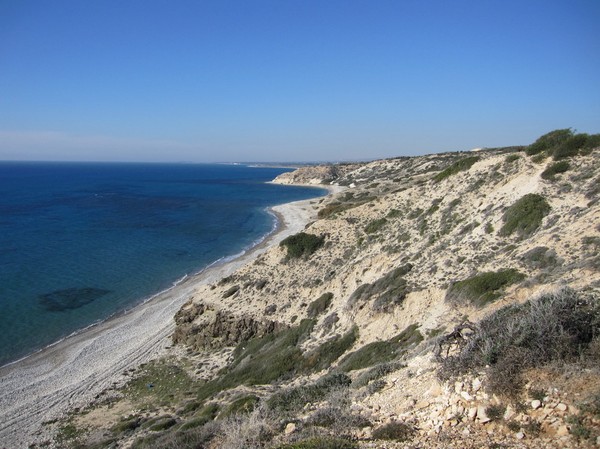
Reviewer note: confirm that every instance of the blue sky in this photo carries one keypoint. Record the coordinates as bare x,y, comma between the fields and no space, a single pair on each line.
287,80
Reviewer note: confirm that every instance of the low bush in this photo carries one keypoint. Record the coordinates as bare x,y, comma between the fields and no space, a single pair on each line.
231,291
382,351
159,383
458,166
396,431
302,245
241,405
483,288
554,169
327,353
325,442
375,225
319,305
555,327
262,360
389,290
570,147
540,257
525,216
549,141
495,412
376,373
296,398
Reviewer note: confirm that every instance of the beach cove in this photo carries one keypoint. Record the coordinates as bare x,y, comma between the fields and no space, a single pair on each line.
71,373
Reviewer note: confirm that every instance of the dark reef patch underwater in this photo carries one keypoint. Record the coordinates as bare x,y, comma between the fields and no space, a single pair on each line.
70,298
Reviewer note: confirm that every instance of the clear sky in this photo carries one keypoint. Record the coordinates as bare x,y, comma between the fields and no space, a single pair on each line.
291,80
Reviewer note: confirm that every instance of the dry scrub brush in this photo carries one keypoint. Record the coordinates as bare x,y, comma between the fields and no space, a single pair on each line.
559,327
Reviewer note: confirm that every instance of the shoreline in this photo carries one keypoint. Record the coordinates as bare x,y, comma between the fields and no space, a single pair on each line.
73,371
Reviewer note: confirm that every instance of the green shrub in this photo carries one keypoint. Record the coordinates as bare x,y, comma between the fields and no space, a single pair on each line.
327,353
295,398
483,288
512,158
231,291
570,147
319,305
540,257
325,442
525,216
553,328
381,351
456,167
554,169
161,423
302,244
549,141
159,383
375,225
495,412
262,360
396,431
389,290
375,373
241,405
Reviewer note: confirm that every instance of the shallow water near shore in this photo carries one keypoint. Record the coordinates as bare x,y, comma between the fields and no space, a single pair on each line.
81,242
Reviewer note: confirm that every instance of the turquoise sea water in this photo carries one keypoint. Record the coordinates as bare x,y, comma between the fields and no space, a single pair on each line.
80,242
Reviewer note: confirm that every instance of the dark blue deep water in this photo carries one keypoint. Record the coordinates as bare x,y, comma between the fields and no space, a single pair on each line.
80,242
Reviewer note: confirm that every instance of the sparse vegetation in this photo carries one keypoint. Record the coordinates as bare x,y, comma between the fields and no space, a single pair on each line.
324,442
554,169
382,351
295,398
302,245
375,225
458,166
525,216
319,305
553,328
395,431
549,141
483,288
387,291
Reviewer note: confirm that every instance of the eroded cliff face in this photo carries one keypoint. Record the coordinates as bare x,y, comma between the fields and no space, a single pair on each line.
204,327
314,175
402,249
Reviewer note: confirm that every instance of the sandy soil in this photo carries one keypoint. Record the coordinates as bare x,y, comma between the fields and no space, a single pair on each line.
74,371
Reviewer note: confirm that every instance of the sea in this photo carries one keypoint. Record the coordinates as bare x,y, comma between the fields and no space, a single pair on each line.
81,242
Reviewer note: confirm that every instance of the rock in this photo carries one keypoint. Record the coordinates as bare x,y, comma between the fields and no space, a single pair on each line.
422,404
520,435
508,413
472,414
482,415
466,396
562,407
366,433
476,385
466,432
290,428
562,431
535,404
458,386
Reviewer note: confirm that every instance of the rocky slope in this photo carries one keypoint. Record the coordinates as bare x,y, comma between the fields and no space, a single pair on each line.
383,324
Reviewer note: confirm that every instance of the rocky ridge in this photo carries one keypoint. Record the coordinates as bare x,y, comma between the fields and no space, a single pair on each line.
376,305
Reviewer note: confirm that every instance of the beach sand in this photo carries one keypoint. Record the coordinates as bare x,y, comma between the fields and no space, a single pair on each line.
71,373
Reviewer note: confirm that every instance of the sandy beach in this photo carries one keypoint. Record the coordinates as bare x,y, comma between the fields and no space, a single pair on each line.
71,373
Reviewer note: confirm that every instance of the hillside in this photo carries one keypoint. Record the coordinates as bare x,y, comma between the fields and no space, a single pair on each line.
448,300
